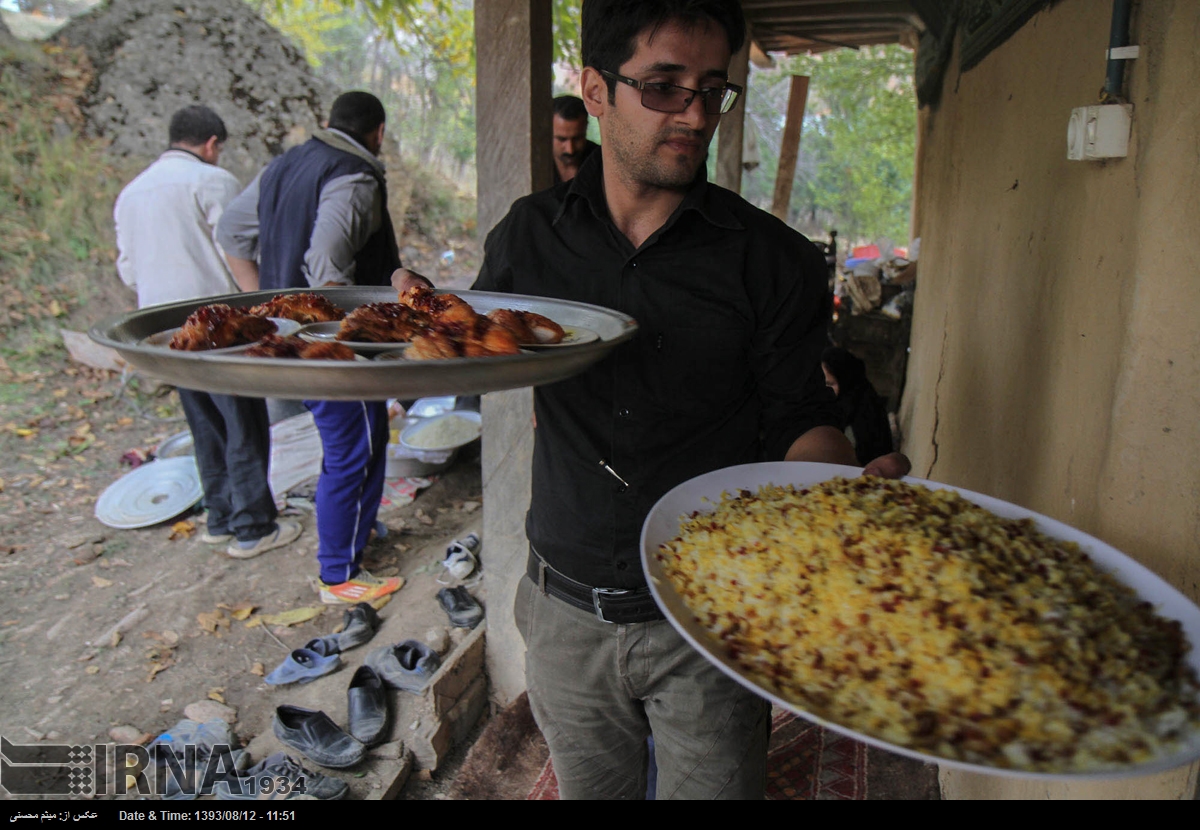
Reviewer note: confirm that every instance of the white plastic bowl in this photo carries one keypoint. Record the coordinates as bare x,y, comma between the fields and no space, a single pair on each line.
411,433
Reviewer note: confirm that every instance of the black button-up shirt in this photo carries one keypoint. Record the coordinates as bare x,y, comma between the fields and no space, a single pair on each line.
731,306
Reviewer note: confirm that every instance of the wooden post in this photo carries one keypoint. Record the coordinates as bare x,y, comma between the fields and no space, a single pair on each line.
790,149
731,134
513,106
514,157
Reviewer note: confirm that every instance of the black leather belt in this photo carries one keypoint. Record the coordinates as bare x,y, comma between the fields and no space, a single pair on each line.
612,605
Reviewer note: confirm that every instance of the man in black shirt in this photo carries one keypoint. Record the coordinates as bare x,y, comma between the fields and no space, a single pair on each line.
731,306
569,130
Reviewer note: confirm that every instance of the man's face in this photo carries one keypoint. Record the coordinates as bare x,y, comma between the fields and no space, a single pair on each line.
662,149
570,137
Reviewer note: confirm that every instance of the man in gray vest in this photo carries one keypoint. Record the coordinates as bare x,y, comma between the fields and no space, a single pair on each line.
317,216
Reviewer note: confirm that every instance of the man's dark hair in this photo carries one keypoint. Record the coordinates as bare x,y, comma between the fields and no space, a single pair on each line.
569,108
357,114
195,125
609,28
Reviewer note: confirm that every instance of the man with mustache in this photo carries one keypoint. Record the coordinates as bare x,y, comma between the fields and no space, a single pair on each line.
571,145
732,307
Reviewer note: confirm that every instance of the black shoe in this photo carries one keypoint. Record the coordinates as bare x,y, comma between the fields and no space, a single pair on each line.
359,625
463,609
366,707
317,736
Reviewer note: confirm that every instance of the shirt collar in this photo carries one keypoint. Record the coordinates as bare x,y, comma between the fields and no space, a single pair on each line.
179,152
588,185
341,141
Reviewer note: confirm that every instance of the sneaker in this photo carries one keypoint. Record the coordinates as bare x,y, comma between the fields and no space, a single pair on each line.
215,538
460,561
297,782
285,533
362,588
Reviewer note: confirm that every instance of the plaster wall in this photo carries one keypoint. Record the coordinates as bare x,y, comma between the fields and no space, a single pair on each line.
1055,351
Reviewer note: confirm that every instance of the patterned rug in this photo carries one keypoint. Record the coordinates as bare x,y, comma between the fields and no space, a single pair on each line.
804,763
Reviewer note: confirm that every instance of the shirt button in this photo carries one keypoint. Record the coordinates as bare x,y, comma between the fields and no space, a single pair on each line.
621,566
633,264
620,488
624,413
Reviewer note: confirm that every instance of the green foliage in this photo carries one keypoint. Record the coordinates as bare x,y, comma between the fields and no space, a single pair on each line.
857,146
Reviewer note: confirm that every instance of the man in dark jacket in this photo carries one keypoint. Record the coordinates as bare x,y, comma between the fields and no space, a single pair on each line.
317,216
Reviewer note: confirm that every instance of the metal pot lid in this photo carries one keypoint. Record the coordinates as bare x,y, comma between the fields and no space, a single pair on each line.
154,492
179,444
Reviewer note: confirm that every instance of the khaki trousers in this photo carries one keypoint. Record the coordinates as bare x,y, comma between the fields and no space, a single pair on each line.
598,690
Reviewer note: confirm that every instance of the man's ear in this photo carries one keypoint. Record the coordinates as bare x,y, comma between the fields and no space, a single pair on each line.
594,91
211,150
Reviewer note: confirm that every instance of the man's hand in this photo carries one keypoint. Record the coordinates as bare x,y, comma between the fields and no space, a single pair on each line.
245,272
892,465
404,279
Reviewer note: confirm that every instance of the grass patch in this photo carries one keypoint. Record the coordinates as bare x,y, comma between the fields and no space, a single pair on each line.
57,189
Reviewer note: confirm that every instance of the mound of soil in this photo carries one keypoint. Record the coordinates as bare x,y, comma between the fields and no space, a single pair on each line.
152,58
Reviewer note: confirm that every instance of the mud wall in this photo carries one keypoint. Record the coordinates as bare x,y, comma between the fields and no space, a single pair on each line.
152,58
1055,350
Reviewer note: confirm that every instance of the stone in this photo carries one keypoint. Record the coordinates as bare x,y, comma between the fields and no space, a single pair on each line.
438,639
206,710
127,734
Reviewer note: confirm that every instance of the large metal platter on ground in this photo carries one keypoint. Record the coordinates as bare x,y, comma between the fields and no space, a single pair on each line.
375,380
703,493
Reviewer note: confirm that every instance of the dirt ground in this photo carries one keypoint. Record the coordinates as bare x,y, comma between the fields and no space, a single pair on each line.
66,580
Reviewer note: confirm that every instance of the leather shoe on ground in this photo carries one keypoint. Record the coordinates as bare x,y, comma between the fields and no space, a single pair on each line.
315,735
406,666
359,625
366,707
248,786
462,608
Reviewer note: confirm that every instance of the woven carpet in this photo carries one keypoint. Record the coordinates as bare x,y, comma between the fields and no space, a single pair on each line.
804,763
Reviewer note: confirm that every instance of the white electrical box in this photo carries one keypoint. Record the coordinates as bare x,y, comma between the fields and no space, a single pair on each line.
1099,132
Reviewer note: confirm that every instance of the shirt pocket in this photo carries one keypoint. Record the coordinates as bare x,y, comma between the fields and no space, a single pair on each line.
697,369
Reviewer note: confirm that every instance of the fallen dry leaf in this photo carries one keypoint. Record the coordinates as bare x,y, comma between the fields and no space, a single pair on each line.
253,622
294,616
115,639
101,582
215,694
210,621
240,611
384,600
92,670
258,669
181,530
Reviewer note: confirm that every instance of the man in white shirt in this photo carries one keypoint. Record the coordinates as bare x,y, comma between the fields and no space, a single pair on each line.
166,221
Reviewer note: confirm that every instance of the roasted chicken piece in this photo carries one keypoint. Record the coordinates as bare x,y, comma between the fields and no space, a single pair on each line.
298,348
441,308
478,338
304,308
530,328
219,326
382,323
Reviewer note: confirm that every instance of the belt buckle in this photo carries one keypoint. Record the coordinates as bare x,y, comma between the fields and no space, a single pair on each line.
600,593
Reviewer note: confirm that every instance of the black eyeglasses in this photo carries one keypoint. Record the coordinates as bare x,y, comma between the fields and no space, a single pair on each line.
662,97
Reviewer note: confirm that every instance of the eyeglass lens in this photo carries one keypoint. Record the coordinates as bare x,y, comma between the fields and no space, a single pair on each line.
669,98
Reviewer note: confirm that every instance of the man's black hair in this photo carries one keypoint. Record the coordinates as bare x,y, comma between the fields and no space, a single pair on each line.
609,28
569,108
195,125
357,114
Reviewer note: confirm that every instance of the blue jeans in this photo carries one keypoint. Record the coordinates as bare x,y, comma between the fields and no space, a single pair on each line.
232,441
354,437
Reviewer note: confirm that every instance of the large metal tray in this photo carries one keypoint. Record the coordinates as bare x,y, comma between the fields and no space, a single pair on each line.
703,492
371,380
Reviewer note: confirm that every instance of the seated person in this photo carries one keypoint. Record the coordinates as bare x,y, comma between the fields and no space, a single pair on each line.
864,413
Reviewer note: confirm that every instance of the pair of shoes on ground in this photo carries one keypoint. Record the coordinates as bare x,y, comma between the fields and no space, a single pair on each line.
286,531
407,666
461,559
319,656
463,609
280,777
321,740
363,587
